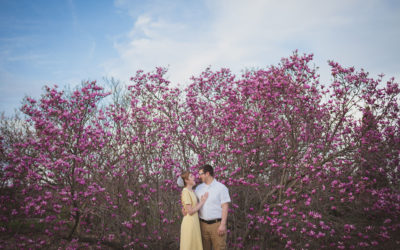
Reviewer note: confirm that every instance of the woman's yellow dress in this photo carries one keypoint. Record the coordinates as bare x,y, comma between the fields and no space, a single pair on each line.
190,227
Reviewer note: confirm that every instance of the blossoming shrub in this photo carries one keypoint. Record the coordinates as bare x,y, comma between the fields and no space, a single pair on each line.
308,165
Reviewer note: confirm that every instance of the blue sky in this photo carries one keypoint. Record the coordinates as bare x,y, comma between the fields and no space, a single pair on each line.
65,42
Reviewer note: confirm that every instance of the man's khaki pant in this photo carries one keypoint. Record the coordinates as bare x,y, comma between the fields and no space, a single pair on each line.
211,239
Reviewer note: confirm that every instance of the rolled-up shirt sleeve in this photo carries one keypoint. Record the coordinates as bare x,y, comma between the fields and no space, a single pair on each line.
225,195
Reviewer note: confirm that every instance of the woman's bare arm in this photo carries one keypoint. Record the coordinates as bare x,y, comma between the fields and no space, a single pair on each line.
191,210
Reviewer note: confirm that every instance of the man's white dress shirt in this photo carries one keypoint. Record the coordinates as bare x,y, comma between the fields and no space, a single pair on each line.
217,195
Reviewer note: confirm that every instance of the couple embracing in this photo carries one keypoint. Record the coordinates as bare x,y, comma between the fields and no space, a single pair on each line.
205,211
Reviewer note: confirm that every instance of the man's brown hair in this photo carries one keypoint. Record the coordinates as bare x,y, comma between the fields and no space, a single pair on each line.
208,168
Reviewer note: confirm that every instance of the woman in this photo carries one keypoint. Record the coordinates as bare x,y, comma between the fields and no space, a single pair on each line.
190,227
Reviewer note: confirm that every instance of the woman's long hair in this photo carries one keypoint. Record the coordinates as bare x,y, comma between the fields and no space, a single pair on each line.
185,176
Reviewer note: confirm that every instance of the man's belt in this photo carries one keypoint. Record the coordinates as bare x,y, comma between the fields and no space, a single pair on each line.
210,221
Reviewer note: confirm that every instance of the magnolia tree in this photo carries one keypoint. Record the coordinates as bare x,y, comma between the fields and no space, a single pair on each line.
308,165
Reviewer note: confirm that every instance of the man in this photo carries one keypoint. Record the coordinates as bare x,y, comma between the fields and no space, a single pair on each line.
214,213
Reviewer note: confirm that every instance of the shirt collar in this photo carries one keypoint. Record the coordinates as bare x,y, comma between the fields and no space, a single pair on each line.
212,183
